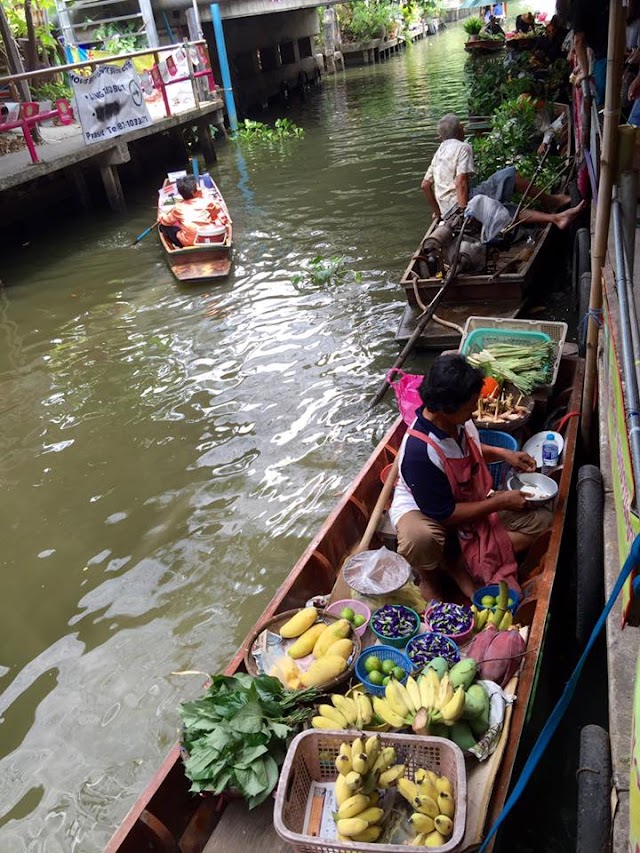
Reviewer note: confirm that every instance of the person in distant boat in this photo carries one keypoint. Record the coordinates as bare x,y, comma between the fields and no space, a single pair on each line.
446,514
492,27
180,222
525,23
447,182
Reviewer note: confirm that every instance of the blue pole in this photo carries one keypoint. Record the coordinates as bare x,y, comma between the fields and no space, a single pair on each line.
221,47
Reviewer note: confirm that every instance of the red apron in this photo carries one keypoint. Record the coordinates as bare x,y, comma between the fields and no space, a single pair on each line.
485,544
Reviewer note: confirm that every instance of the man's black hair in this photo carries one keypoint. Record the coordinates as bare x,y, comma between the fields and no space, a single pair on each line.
450,383
187,186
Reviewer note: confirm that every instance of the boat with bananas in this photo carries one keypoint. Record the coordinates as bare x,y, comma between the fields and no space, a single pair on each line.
490,280
167,817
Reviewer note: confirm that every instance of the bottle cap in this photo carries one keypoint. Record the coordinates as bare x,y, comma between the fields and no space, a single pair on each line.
551,437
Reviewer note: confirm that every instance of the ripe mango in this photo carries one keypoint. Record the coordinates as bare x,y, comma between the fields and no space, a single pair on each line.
336,631
323,670
287,672
343,648
303,646
299,623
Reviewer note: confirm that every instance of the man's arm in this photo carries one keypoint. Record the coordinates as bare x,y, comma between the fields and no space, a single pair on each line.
582,59
474,510
462,190
427,188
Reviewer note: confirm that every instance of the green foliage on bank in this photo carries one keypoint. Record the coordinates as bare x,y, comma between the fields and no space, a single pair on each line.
257,131
492,81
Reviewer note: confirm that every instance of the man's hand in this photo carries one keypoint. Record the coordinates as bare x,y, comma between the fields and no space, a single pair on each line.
514,500
520,460
634,88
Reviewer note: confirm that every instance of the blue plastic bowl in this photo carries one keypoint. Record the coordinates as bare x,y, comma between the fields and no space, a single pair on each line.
493,589
384,653
452,655
397,642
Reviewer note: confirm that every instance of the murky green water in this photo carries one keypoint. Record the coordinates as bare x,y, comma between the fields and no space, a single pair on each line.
167,453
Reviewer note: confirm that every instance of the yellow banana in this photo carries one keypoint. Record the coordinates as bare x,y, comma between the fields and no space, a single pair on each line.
343,759
420,775
395,695
422,822
351,826
433,777
445,691
347,708
364,705
342,790
446,804
444,785
352,807
427,789
373,814
324,723
353,781
371,833
413,692
452,711
386,758
391,776
426,805
372,750
333,714
481,619
357,748
444,825
408,789
359,762
418,841
429,684
434,839
386,713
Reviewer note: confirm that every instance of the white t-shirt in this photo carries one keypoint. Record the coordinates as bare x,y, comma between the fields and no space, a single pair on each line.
452,158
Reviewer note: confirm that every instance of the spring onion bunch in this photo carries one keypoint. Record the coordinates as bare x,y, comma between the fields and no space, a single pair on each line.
525,365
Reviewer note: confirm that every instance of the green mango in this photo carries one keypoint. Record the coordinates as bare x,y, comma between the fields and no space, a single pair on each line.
480,725
439,730
440,665
463,673
461,734
476,702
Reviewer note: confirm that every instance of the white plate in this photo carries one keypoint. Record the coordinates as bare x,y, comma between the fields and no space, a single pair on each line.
534,445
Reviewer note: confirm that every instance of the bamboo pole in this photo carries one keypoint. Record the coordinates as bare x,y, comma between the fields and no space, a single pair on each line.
615,50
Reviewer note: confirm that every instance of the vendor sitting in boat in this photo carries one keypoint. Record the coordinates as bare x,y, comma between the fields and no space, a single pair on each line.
181,221
444,496
447,182
492,27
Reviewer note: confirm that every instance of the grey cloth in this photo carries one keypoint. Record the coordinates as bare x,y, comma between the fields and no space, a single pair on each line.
493,215
499,186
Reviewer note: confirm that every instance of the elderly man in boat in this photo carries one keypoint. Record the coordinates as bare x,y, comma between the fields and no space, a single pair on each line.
447,182
182,221
446,514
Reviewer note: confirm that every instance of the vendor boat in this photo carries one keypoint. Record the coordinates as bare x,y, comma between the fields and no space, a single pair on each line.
498,290
210,256
484,45
166,817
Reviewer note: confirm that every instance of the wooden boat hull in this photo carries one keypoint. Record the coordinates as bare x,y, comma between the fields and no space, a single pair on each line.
442,337
197,263
484,46
167,815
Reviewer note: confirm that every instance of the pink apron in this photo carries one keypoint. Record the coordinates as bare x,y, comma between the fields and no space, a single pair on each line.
485,544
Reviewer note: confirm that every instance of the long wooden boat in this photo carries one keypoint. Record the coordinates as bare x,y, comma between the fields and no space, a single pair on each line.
210,257
499,291
484,45
167,819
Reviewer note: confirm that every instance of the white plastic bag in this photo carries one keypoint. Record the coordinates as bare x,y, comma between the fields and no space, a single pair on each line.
493,215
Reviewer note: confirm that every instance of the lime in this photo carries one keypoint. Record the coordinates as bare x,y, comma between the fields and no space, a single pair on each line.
488,601
347,613
376,677
398,673
387,666
359,620
386,680
372,664
511,602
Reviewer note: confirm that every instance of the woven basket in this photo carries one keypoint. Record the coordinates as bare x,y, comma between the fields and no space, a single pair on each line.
276,622
311,758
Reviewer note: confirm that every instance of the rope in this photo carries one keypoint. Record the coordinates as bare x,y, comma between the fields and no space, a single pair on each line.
632,562
596,315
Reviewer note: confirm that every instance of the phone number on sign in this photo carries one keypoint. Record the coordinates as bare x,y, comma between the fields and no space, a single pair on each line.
131,122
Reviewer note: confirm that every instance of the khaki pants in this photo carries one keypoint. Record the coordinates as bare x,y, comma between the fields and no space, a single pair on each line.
423,541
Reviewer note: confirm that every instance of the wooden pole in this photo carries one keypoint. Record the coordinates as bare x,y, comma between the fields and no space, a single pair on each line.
13,57
615,51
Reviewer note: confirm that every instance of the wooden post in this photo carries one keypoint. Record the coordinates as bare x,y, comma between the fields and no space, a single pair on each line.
206,142
113,188
77,177
615,50
13,57
194,88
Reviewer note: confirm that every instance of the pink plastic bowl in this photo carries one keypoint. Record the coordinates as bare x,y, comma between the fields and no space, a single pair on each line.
458,639
357,607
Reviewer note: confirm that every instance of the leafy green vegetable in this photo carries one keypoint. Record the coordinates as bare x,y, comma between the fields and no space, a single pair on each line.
525,365
236,734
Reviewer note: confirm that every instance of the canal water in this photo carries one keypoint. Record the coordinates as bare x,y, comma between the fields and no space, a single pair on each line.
166,453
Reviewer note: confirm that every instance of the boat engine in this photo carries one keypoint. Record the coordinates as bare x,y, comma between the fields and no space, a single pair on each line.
429,262
473,255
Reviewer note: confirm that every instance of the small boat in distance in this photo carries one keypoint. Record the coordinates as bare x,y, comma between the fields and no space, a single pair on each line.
210,256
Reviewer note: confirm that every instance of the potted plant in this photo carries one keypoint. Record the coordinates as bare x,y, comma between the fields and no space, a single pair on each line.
472,27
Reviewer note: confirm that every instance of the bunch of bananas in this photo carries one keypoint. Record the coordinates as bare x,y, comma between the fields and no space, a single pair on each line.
346,712
481,618
363,767
432,798
421,703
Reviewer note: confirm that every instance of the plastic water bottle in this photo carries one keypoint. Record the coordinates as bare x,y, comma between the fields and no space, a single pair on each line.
550,453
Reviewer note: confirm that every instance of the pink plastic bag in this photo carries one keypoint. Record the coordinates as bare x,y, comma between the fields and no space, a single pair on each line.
405,387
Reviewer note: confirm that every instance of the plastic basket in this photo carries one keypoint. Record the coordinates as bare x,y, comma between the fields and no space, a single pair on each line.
493,590
495,438
311,758
358,607
384,653
501,330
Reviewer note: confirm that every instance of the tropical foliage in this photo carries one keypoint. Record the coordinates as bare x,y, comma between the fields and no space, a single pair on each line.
491,81
257,131
40,40
319,271
472,26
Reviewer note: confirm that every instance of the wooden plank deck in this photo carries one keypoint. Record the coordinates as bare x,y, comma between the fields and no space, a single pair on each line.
246,832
